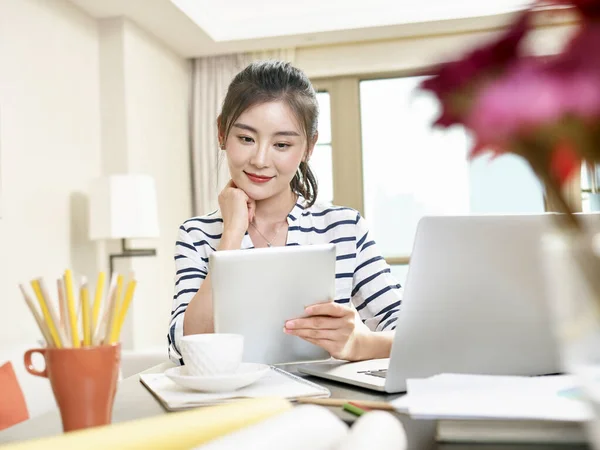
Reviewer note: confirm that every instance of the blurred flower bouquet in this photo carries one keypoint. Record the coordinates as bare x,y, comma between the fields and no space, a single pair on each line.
544,109
547,111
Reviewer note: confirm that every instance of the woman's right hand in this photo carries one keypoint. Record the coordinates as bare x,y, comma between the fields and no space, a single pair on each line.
237,210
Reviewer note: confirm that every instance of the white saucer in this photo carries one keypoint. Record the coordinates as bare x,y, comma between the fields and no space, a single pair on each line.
246,374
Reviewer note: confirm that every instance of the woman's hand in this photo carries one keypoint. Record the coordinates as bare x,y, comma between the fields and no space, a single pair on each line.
334,327
237,210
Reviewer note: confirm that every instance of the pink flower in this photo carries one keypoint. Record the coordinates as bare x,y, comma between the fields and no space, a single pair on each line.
546,110
514,104
579,62
529,97
452,77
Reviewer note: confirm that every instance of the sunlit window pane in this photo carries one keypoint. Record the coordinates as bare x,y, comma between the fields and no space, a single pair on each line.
590,198
412,170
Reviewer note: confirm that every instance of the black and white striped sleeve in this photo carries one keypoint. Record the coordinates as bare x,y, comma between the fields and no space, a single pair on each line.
191,265
375,293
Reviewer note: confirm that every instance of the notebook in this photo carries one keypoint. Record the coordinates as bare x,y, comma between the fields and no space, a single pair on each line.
276,383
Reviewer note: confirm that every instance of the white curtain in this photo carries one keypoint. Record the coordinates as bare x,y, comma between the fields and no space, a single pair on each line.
211,77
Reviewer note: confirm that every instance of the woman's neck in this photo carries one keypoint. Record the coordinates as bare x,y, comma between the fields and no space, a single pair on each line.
275,209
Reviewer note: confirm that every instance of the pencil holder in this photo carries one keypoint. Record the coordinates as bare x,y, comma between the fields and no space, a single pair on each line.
84,382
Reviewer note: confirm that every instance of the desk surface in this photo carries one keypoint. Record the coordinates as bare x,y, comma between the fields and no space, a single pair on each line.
134,401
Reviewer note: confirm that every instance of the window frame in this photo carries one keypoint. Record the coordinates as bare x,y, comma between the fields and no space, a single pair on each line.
346,148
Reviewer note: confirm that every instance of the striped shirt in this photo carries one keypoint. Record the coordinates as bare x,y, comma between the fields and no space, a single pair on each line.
362,279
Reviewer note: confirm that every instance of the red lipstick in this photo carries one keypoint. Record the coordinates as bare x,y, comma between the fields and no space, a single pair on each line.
255,178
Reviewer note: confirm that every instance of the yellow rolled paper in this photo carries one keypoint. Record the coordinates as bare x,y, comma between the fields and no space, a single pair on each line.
181,430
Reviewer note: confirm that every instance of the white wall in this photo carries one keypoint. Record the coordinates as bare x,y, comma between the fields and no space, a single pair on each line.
144,94
49,149
157,96
61,125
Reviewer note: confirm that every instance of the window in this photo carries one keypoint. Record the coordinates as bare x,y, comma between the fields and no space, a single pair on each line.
412,170
407,169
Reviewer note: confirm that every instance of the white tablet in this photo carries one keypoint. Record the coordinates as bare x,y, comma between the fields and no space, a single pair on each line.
255,291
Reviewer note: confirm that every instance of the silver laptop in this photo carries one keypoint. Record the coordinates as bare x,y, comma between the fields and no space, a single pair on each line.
473,302
255,291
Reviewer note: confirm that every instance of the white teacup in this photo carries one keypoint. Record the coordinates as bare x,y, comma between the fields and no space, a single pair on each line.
212,353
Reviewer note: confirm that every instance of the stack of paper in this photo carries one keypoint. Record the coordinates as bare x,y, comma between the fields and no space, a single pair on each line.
495,397
498,408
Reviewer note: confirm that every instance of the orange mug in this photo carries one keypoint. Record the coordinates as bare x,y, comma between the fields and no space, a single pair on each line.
84,382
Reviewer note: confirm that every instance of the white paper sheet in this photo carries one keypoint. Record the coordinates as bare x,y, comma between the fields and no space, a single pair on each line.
304,427
496,397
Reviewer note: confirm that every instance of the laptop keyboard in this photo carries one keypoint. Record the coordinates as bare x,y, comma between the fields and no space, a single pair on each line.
382,373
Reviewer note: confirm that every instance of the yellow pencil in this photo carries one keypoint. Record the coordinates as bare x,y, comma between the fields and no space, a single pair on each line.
62,304
38,319
68,278
116,332
62,312
101,326
46,313
53,314
86,314
114,307
98,300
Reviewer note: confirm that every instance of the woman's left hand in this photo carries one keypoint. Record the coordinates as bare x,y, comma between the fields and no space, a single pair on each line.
332,326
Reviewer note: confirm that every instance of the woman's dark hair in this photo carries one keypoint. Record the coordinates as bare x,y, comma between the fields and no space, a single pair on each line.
267,81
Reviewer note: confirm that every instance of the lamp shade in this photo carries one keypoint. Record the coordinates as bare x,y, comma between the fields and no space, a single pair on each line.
123,207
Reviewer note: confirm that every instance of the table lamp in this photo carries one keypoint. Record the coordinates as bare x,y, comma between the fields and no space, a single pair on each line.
124,207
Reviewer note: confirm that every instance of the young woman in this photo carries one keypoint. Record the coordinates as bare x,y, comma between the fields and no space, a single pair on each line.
268,130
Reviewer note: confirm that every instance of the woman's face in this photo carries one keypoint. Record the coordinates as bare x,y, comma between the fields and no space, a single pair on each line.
264,149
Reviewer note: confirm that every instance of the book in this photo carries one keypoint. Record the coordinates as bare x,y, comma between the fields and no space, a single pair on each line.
510,431
276,383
